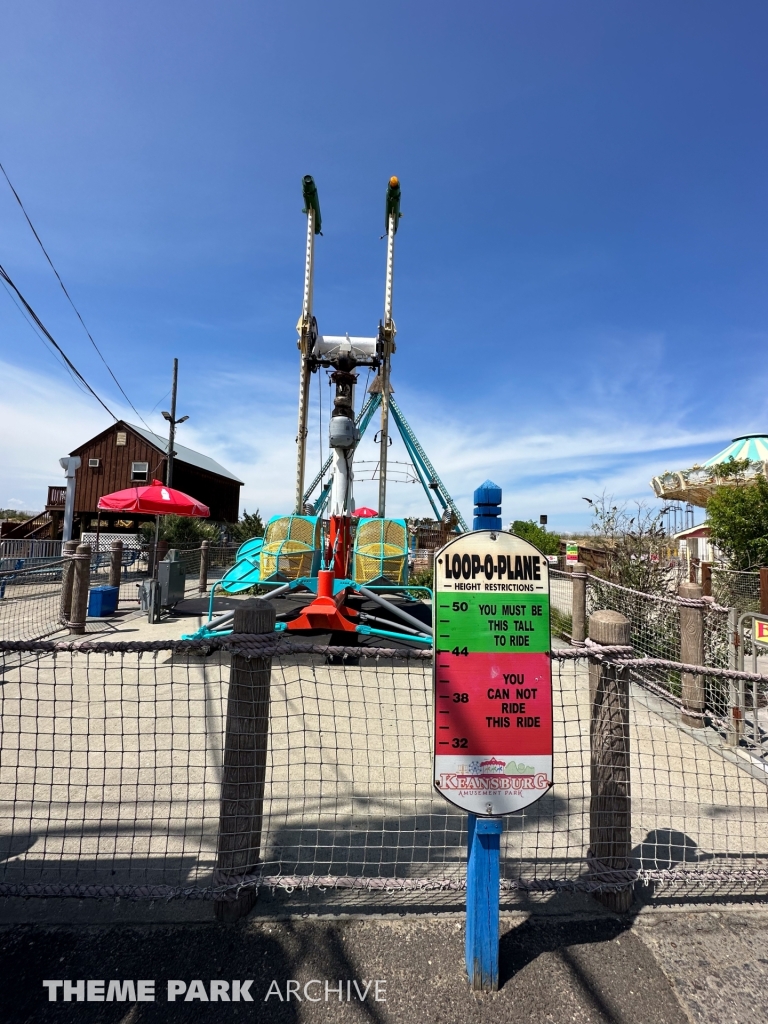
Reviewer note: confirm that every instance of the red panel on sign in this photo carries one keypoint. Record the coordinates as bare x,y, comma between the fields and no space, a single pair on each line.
493,704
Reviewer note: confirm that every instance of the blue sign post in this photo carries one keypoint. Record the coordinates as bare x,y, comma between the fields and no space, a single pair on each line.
484,834
483,864
492,703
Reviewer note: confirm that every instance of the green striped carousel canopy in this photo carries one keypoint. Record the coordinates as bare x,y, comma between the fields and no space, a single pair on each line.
697,484
752,446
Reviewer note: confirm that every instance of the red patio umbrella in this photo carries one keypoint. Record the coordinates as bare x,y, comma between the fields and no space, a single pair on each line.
365,513
154,499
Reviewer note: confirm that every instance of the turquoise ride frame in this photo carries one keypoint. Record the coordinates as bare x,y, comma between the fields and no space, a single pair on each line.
309,583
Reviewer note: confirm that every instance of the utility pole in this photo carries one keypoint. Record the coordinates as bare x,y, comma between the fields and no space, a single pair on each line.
172,424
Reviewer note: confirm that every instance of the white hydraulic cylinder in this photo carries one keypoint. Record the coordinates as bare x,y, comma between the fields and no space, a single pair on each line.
342,499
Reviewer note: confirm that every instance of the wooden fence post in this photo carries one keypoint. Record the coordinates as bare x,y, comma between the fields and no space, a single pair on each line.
736,714
579,603
67,579
204,553
706,579
80,586
694,694
610,804
245,762
764,591
116,565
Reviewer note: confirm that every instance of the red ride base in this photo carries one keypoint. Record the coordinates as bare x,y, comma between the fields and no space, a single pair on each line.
326,612
340,545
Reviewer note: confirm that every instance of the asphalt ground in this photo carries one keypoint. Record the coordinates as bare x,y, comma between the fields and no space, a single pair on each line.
587,968
566,960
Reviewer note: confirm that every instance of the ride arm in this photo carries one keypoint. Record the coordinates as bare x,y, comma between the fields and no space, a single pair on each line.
307,329
414,448
387,331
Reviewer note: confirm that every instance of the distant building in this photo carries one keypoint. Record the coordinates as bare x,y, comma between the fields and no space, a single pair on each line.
695,544
122,456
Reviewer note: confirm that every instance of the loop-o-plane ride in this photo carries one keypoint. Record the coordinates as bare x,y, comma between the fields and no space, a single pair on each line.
344,563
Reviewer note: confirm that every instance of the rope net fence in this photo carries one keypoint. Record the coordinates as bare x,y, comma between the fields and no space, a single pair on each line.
112,767
30,601
30,588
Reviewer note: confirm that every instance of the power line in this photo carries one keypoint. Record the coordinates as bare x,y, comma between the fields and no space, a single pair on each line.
54,356
156,405
69,298
39,323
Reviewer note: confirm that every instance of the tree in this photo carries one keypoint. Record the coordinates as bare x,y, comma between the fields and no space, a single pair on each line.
13,515
634,541
738,521
251,525
182,530
548,543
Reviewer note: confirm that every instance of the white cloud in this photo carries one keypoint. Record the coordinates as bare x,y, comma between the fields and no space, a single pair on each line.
248,423
41,419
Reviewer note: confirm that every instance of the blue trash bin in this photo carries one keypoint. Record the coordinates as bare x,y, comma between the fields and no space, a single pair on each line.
102,601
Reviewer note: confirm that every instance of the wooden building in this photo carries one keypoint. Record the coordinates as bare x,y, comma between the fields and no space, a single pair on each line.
124,456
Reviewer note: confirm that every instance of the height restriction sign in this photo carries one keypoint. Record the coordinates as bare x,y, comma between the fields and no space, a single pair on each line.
493,676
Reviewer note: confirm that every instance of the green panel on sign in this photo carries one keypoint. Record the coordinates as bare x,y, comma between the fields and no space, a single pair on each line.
483,623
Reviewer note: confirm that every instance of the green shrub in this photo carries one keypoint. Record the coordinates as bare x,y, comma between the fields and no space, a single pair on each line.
181,530
547,543
423,578
251,525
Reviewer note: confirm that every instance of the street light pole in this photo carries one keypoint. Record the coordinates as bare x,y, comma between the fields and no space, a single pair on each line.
172,424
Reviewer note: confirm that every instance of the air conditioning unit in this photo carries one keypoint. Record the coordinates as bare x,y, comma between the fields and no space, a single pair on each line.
94,463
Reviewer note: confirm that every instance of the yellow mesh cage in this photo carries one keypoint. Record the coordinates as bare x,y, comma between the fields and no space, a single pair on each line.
381,551
291,544
303,530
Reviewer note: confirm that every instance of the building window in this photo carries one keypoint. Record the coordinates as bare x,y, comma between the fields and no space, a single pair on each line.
124,524
121,438
139,471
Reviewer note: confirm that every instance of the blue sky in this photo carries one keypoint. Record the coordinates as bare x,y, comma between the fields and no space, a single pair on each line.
580,273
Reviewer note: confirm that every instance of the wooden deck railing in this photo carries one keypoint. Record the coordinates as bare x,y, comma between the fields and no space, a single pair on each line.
56,497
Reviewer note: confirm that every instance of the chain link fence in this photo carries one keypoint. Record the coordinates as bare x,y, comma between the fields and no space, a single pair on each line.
656,634
739,590
561,603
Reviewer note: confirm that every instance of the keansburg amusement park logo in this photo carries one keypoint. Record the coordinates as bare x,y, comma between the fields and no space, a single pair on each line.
492,776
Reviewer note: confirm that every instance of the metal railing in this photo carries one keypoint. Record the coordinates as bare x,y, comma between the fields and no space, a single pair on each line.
29,548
